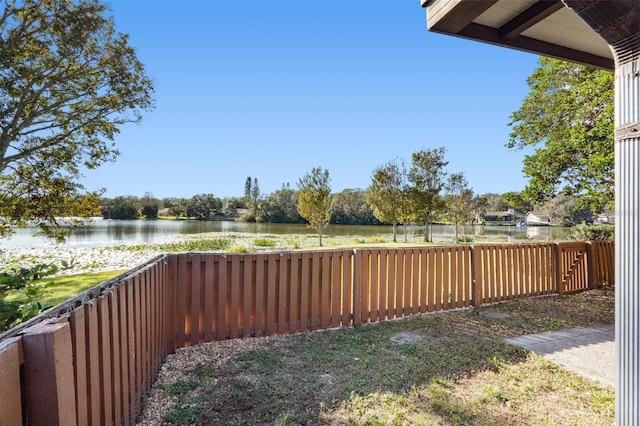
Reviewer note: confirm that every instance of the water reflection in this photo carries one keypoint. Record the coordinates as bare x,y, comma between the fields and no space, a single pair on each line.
156,231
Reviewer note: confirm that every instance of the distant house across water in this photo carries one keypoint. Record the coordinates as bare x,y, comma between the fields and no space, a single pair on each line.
537,218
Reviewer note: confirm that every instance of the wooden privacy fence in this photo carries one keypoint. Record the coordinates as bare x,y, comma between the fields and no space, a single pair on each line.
91,360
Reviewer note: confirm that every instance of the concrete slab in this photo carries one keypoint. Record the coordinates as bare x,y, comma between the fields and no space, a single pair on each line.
589,352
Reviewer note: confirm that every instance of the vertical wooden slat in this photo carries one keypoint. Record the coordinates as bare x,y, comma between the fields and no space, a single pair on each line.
171,302
373,286
432,279
390,258
325,290
407,289
456,278
132,345
261,260
438,278
125,351
209,289
415,280
10,385
315,290
247,295
106,379
182,287
336,288
196,298
348,283
357,284
93,362
424,279
399,283
78,338
235,296
382,284
221,290
114,324
284,292
295,286
272,292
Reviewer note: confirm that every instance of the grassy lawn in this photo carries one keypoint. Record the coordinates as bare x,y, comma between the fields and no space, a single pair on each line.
62,288
458,372
66,287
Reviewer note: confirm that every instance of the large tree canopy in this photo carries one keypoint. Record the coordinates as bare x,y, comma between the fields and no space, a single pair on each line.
568,117
68,82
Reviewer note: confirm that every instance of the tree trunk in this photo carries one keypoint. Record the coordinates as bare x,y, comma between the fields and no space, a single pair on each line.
393,227
320,234
456,233
404,227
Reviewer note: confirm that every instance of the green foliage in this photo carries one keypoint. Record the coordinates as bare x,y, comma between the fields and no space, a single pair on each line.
350,207
28,285
281,206
458,199
264,242
120,208
584,232
238,249
202,206
314,199
388,194
427,175
569,110
68,82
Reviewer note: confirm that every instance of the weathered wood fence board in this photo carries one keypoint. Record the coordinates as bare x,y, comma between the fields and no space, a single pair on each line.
103,348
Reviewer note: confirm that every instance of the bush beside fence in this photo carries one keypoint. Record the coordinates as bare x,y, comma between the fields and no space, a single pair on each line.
91,359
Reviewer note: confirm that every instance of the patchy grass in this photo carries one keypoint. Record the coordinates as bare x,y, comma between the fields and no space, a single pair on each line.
459,373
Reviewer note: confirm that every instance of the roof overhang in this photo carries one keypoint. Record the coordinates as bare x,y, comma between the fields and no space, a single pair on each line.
545,27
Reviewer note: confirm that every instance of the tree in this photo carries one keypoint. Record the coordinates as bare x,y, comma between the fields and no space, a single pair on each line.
149,206
255,198
202,206
281,206
122,207
459,200
386,193
350,207
569,111
566,211
427,175
314,199
68,82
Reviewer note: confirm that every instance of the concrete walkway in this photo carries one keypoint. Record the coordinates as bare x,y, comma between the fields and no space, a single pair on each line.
589,352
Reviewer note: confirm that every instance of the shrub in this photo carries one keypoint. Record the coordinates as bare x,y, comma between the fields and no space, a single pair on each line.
238,249
264,242
26,286
584,232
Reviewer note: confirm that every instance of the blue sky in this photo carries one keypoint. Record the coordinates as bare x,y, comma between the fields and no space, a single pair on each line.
271,89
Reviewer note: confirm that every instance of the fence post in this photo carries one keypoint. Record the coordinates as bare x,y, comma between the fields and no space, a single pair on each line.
476,273
357,287
48,374
557,267
11,399
591,261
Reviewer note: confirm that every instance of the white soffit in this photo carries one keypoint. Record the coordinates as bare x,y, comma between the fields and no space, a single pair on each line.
563,28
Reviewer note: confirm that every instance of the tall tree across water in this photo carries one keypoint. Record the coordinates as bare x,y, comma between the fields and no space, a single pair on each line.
387,194
568,117
427,174
314,199
68,82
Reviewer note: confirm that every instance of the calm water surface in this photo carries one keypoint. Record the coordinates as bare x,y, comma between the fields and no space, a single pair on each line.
157,231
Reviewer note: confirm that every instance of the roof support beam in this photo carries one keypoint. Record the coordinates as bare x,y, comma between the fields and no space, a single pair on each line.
529,18
490,35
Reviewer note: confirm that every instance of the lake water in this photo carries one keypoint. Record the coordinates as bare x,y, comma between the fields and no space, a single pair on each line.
157,231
